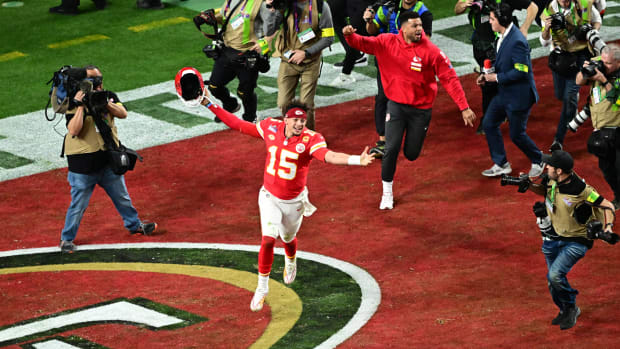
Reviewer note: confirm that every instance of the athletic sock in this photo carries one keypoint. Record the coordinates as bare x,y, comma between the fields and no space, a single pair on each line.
387,188
263,282
265,255
290,248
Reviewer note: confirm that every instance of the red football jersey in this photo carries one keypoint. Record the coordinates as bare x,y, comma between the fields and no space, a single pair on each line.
287,163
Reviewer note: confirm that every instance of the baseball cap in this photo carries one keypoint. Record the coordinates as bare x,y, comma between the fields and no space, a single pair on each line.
559,159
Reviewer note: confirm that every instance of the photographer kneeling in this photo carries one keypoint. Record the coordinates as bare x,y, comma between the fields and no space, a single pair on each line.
572,215
89,161
603,74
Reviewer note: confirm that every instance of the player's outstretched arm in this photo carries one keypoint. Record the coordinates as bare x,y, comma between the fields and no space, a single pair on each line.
230,119
332,157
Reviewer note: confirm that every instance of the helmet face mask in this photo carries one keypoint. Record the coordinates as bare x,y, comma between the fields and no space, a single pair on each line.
189,86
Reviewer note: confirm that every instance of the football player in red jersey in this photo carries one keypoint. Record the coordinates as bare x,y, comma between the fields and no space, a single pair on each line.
283,198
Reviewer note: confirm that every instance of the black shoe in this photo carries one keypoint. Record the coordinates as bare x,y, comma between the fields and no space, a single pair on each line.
233,109
64,11
362,61
379,150
555,146
558,319
145,229
570,319
216,119
150,4
100,4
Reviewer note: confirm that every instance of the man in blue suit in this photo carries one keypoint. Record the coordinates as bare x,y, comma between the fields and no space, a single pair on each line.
515,97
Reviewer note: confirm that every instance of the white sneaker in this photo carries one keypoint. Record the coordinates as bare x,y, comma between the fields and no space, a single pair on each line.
342,80
497,170
290,269
536,170
259,298
387,202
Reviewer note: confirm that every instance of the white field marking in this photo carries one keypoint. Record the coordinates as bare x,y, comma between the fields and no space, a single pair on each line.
118,311
32,137
54,344
371,292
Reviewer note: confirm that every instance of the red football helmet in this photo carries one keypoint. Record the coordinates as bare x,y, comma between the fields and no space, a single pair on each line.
189,86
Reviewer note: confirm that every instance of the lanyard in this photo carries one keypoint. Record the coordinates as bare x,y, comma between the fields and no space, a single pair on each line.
297,19
552,198
228,6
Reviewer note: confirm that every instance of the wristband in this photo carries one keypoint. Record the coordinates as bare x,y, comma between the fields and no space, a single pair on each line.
609,224
209,104
605,83
354,160
78,103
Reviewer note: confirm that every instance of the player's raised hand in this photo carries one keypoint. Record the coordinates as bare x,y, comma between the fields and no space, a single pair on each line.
348,30
365,158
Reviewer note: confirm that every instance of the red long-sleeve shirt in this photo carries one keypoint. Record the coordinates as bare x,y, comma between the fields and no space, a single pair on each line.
408,70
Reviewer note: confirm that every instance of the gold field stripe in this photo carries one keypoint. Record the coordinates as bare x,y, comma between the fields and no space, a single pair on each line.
78,41
285,304
11,55
158,24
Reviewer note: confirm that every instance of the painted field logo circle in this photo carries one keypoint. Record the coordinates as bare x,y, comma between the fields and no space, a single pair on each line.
321,323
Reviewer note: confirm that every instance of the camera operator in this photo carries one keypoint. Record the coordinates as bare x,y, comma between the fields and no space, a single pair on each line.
89,164
483,36
603,75
307,29
384,18
243,23
575,210
563,22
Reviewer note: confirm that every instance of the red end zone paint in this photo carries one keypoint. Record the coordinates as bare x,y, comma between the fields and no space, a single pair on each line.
225,306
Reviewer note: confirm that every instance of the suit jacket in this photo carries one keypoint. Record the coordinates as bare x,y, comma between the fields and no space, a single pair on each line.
513,65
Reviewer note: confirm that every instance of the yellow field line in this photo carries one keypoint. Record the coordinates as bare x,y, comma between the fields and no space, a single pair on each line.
78,41
158,24
11,55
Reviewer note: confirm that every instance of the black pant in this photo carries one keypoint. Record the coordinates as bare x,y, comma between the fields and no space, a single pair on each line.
354,9
610,162
381,102
227,67
407,121
73,4
489,90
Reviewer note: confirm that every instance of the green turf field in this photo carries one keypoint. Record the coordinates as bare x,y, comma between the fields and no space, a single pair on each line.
132,47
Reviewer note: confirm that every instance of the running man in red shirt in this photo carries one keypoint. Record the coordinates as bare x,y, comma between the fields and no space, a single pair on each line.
409,63
283,198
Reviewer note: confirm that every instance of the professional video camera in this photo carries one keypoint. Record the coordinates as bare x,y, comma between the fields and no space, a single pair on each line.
595,231
523,182
589,70
558,22
579,118
390,4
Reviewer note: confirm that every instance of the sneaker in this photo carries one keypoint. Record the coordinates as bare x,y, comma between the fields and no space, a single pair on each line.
379,150
64,10
555,146
150,4
290,269
258,299
536,170
497,170
558,319
360,62
387,202
145,229
67,246
342,80
570,319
